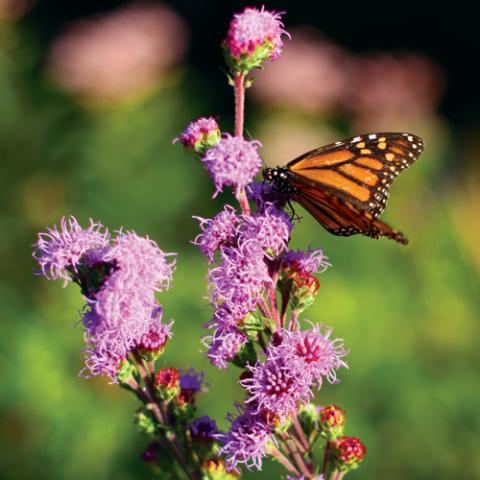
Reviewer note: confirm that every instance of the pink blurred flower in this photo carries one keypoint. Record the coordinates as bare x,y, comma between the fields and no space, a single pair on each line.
311,75
119,54
13,9
389,91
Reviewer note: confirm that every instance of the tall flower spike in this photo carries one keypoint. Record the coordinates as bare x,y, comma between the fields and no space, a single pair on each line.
232,162
253,37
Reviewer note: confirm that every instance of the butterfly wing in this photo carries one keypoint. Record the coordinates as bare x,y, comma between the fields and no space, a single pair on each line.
342,218
358,170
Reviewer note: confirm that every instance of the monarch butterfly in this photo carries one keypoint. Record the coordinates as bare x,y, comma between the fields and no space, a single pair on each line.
345,185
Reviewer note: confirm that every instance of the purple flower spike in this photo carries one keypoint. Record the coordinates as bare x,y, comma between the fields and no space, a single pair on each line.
238,279
232,162
221,230
311,261
246,442
61,249
191,380
312,353
271,229
199,135
253,37
275,387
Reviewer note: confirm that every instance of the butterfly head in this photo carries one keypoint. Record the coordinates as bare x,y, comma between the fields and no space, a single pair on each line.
279,178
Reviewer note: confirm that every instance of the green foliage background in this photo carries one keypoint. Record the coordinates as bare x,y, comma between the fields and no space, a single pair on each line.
409,315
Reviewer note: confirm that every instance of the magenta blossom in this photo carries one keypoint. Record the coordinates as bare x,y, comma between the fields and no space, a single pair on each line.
237,281
246,441
59,251
216,232
270,229
224,345
232,162
311,261
276,387
253,37
201,134
311,353
203,429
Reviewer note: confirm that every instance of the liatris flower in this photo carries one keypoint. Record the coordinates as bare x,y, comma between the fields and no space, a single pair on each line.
216,232
236,282
332,421
224,345
200,135
253,37
60,251
348,452
311,261
152,342
167,382
275,388
203,430
232,162
264,194
246,441
270,229
312,353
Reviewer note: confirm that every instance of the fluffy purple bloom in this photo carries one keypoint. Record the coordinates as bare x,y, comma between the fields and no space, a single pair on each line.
254,29
203,429
218,231
232,162
237,281
224,345
311,261
246,441
200,134
270,229
275,387
224,319
311,353
60,250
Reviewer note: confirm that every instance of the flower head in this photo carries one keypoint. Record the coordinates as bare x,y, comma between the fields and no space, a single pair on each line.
203,429
236,282
60,251
348,452
270,229
157,335
312,353
191,382
253,37
200,135
275,388
311,261
264,194
332,421
216,232
168,377
246,441
224,346
232,162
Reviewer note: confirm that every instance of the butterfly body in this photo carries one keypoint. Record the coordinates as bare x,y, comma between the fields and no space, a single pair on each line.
345,185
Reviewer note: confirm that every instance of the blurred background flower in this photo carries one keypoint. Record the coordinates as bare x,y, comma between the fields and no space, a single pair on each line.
409,316
118,54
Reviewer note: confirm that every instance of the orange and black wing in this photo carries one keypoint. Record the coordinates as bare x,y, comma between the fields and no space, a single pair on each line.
341,218
345,185
358,170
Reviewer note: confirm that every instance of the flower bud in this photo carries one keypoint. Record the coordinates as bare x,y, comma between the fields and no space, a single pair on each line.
308,417
146,422
348,452
167,383
332,421
253,37
203,430
303,285
200,135
215,469
126,371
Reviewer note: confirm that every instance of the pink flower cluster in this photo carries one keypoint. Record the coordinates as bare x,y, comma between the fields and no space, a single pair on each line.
118,277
